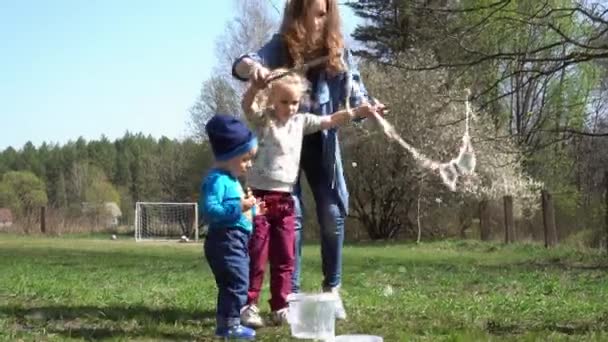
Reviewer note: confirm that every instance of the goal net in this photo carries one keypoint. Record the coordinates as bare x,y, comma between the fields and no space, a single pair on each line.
166,221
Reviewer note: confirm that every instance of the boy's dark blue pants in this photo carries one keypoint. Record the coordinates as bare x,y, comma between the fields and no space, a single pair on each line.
227,254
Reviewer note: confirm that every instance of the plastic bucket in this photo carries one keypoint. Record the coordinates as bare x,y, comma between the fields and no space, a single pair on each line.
312,316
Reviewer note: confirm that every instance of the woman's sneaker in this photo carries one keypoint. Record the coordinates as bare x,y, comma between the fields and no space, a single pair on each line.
238,332
340,312
250,316
279,317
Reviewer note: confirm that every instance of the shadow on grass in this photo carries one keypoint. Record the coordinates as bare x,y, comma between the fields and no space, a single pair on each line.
567,328
93,323
95,334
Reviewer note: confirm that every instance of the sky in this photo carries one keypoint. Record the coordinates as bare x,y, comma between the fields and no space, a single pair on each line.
71,68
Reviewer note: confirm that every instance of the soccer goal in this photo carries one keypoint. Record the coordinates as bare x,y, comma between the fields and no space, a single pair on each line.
155,221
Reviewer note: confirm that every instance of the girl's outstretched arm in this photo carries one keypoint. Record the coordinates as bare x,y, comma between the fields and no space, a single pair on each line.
342,117
314,123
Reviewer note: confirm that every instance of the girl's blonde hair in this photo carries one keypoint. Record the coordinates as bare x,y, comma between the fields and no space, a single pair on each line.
290,79
299,43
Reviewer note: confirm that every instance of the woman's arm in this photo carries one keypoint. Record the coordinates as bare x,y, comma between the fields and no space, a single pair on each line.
256,64
357,93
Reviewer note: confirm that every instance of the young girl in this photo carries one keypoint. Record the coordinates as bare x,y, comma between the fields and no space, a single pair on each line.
280,131
310,29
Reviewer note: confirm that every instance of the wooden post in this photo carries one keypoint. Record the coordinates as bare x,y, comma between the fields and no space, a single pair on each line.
484,220
509,225
549,219
43,220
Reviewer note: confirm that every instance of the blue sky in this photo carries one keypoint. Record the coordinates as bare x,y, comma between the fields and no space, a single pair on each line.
71,68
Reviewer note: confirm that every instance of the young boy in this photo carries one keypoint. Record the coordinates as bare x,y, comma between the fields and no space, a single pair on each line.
229,213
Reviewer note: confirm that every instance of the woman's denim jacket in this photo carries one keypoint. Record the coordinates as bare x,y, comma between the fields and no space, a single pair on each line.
330,94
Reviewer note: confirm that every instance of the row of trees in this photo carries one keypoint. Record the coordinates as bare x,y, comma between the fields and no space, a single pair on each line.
538,75
132,168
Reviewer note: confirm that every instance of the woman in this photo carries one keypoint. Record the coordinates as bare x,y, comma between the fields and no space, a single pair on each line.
311,29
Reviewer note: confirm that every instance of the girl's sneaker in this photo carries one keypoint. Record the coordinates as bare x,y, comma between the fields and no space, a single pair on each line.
238,332
250,316
279,317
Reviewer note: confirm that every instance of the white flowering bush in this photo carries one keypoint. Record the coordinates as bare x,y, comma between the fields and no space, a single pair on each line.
428,111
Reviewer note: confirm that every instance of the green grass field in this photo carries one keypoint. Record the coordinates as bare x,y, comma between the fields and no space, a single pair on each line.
92,289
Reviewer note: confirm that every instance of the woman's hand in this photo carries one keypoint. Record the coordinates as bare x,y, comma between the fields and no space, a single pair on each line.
380,108
259,76
365,110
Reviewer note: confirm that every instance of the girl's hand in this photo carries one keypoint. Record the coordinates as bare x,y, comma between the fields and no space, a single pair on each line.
260,208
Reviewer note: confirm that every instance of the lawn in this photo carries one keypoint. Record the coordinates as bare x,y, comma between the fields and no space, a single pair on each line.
60,289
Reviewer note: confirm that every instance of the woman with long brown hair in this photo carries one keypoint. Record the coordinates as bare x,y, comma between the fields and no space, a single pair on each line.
311,30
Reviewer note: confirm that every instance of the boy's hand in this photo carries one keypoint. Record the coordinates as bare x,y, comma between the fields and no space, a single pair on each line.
247,203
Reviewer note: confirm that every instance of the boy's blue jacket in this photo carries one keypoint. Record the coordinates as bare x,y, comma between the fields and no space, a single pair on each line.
220,202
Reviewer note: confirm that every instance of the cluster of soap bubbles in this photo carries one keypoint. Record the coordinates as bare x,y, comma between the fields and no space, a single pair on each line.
462,165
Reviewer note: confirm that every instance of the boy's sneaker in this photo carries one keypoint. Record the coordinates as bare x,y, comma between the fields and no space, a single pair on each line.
238,332
279,317
340,312
250,316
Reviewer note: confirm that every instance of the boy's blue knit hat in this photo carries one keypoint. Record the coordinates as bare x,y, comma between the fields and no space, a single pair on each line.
229,137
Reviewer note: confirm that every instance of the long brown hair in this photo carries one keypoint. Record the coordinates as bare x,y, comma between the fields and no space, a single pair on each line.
299,43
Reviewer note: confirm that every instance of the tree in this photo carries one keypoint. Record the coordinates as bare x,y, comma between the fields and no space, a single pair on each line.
251,27
77,185
81,150
29,160
8,159
145,169
8,197
385,180
392,27
534,67
61,196
98,189
23,193
102,153
122,173
513,52
477,29
217,97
